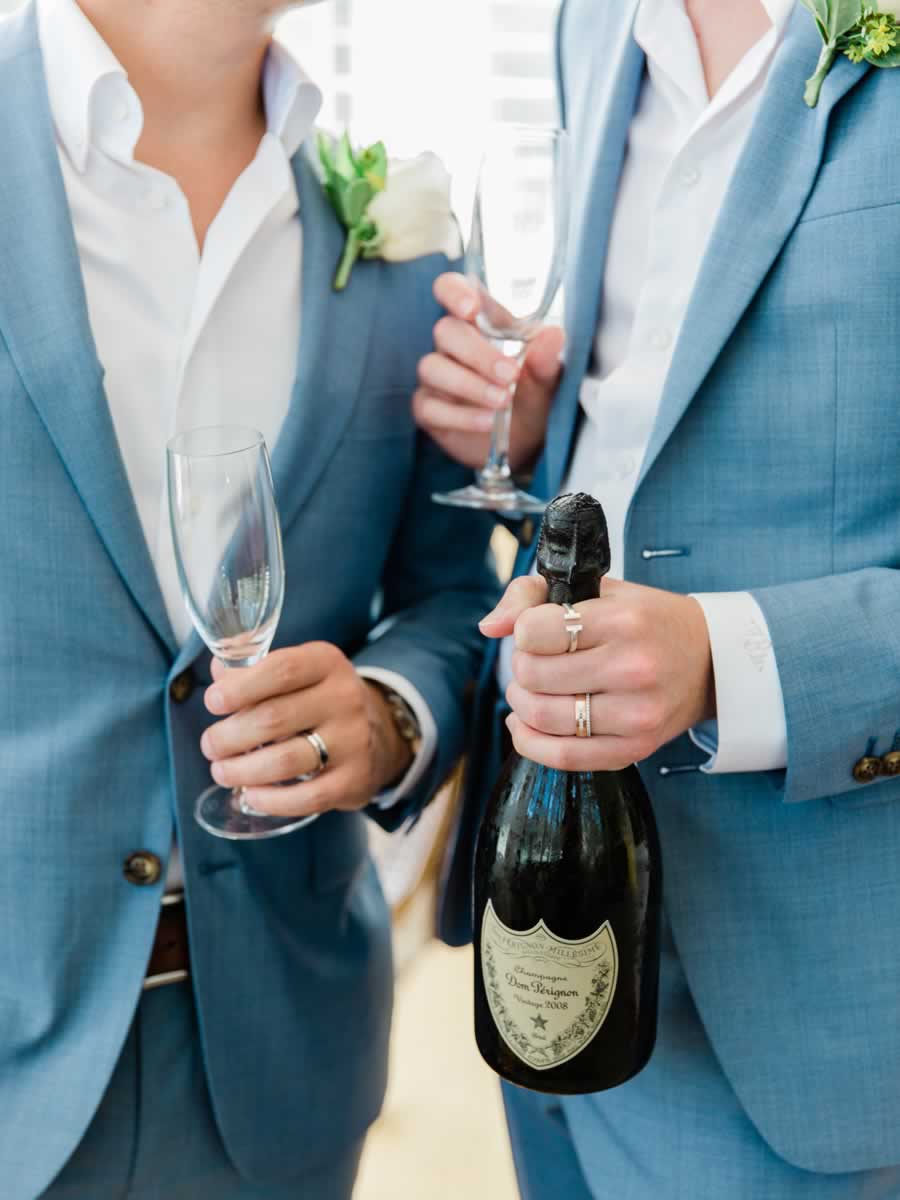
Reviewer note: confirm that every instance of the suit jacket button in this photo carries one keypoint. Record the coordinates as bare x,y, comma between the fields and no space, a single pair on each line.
890,763
867,769
182,687
142,868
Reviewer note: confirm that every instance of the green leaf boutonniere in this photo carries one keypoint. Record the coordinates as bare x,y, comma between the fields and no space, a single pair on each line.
351,182
855,28
396,209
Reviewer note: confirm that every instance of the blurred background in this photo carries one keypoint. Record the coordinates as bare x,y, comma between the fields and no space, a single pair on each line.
420,78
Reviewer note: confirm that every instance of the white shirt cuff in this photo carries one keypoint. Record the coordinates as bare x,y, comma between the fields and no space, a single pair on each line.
422,760
750,730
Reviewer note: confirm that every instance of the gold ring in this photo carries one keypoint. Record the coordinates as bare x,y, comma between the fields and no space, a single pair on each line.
573,626
583,716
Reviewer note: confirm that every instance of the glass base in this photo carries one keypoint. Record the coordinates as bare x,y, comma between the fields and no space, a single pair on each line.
509,500
221,812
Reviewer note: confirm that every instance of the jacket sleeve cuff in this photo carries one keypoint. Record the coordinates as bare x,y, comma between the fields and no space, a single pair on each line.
750,730
422,761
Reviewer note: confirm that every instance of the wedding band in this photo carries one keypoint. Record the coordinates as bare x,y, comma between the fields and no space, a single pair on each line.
583,716
573,626
318,744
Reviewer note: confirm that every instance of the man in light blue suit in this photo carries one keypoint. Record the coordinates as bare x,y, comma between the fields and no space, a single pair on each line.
733,304
156,204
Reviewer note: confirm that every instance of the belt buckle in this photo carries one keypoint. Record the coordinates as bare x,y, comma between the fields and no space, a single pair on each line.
151,982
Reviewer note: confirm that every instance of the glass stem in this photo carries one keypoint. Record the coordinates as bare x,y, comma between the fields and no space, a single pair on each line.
495,475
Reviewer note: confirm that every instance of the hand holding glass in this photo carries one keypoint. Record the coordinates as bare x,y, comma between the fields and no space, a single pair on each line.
514,257
227,541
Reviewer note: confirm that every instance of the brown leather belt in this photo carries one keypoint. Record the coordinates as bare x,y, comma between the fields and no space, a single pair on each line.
169,958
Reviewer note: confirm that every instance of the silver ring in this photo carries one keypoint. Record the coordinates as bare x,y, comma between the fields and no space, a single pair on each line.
583,716
574,626
318,744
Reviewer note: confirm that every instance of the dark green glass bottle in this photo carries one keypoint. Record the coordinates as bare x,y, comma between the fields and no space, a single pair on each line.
568,888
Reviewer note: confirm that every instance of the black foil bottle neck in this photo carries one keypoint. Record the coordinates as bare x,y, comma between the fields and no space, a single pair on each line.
573,591
573,552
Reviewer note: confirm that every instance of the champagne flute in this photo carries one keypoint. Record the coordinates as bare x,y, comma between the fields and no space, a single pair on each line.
227,541
514,258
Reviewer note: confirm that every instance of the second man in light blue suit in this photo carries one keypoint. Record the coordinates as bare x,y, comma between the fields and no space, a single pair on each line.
769,471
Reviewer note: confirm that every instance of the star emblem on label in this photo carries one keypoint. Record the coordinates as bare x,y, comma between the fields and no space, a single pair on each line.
539,1022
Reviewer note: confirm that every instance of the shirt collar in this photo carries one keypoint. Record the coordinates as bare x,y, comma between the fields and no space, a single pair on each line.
80,68
94,105
663,31
291,98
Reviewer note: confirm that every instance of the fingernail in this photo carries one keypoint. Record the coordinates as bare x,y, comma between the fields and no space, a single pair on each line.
505,370
499,397
562,357
508,722
217,773
215,701
493,618
205,745
484,422
466,307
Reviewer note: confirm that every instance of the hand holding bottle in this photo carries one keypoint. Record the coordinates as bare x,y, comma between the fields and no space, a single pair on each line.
643,656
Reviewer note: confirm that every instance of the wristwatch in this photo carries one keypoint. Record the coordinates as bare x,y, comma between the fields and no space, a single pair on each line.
405,721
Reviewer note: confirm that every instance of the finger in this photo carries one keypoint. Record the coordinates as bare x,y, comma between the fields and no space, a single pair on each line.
273,720
437,373
473,350
281,672
608,668
438,414
621,715
570,754
454,292
279,763
544,361
525,592
332,789
543,630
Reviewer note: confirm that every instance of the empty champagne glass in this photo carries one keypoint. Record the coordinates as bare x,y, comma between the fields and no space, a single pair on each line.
227,540
514,257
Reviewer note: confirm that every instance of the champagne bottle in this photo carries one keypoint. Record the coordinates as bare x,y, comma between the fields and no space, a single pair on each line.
568,887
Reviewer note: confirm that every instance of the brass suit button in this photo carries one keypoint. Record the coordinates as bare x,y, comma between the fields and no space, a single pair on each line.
890,763
867,769
182,687
142,868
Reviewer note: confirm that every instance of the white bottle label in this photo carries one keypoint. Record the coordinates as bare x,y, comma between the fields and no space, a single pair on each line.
548,996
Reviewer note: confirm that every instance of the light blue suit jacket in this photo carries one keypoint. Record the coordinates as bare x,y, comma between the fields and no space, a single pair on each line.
774,466
289,937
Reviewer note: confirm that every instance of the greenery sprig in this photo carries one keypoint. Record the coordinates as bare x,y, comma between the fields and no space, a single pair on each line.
352,180
854,28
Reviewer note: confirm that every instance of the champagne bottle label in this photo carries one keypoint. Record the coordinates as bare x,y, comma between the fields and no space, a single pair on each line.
548,996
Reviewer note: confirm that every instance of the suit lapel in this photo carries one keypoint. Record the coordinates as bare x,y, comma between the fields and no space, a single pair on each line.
44,319
333,350
771,184
602,112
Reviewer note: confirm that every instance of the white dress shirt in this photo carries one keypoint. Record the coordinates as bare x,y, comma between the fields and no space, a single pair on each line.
682,152
186,339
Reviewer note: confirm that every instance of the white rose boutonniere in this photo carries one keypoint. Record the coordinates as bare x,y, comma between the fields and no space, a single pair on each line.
396,210
862,31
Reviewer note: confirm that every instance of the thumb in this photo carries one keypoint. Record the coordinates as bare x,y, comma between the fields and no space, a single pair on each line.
544,359
528,591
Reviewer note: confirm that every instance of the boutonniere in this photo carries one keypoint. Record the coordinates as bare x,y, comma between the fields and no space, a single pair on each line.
859,30
392,209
